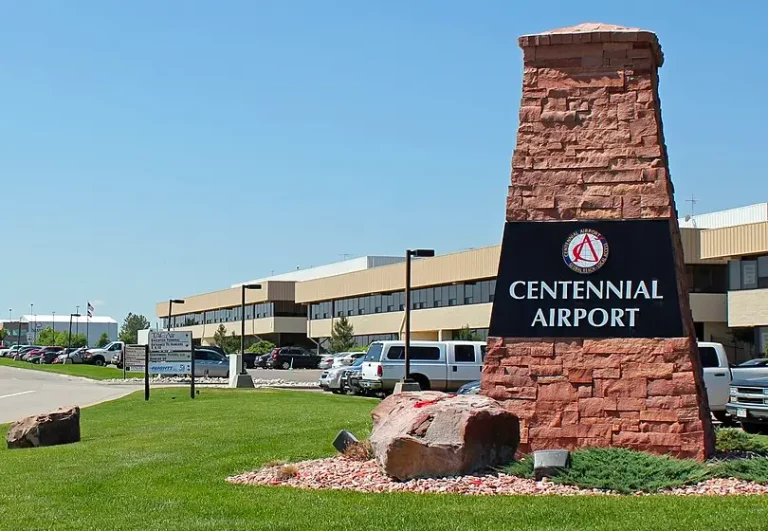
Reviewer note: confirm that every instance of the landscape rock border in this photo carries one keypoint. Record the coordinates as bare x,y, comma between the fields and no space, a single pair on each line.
339,473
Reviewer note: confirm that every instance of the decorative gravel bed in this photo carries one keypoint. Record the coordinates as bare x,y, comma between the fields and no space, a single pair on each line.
339,473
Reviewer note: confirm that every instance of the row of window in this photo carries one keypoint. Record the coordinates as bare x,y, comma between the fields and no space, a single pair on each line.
748,273
707,278
422,298
227,315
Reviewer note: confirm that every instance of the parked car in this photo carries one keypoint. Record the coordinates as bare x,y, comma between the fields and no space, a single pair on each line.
261,361
18,351
755,368
293,357
48,354
437,365
326,361
211,363
4,351
74,355
472,388
350,378
102,356
748,403
25,355
331,379
345,359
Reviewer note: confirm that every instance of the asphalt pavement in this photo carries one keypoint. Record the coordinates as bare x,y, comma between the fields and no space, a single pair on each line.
295,375
24,392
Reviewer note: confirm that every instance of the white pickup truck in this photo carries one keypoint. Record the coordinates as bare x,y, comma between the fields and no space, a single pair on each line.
103,356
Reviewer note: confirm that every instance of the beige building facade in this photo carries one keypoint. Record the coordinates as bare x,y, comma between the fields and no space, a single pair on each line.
726,257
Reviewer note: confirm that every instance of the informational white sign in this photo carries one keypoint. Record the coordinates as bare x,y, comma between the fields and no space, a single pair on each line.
170,368
165,357
164,341
134,357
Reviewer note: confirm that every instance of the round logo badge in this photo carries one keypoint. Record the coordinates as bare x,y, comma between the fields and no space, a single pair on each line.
585,251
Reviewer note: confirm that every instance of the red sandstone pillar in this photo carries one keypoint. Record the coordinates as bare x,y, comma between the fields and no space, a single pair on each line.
590,146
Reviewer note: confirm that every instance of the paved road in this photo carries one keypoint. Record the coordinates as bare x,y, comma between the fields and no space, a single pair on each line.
24,392
296,375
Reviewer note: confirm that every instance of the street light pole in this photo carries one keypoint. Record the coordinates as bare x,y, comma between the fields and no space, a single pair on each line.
18,338
77,323
242,321
53,325
10,312
34,320
69,340
419,253
170,309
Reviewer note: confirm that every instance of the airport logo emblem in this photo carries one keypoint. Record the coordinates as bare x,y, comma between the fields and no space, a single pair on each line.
585,251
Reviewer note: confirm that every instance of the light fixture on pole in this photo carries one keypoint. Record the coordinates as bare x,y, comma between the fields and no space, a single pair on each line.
242,321
53,326
171,302
418,253
69,340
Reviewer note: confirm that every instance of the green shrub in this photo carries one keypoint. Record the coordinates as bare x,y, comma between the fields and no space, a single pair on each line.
521,469
748,469
733,440
627,471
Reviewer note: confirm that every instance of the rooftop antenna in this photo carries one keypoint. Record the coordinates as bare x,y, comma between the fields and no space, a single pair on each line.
693,202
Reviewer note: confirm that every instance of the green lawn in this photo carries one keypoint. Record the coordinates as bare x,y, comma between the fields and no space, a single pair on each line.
161,465
86,371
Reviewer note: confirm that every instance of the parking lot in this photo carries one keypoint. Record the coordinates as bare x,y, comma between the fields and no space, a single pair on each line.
295,375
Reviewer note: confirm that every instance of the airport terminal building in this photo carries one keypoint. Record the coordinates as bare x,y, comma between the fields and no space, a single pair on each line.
726,257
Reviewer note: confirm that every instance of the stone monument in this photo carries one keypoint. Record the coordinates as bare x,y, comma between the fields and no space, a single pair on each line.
592,340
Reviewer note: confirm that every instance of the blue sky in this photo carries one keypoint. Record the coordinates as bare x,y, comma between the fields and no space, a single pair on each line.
154,149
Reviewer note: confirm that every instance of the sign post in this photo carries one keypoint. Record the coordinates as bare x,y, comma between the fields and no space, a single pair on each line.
170,353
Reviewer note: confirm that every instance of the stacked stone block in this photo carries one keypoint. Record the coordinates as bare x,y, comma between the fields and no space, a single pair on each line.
590,146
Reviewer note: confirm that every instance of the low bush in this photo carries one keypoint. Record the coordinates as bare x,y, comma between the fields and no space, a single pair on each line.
522,468
733,440
747,469
626,471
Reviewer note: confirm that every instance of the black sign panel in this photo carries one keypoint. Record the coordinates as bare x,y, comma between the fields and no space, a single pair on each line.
591,279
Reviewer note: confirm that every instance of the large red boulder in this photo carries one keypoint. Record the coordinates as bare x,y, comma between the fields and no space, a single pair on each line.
432,434
59,427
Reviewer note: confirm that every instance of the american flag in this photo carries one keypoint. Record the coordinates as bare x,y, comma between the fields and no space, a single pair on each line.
90,310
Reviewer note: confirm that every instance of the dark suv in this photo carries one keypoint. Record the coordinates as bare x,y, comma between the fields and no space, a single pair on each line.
293,357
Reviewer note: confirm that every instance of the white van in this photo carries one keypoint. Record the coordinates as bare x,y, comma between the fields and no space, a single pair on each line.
435,365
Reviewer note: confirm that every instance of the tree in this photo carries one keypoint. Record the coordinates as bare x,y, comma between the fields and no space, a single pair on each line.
359,349
3,334
47,337
103,340
129,332
342,335
465,334
261,347
229,343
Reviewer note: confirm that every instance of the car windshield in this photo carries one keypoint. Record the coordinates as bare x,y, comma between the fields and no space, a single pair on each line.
374,352
358,362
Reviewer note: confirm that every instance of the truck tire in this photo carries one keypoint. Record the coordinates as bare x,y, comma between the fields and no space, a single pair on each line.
98,361
422,380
